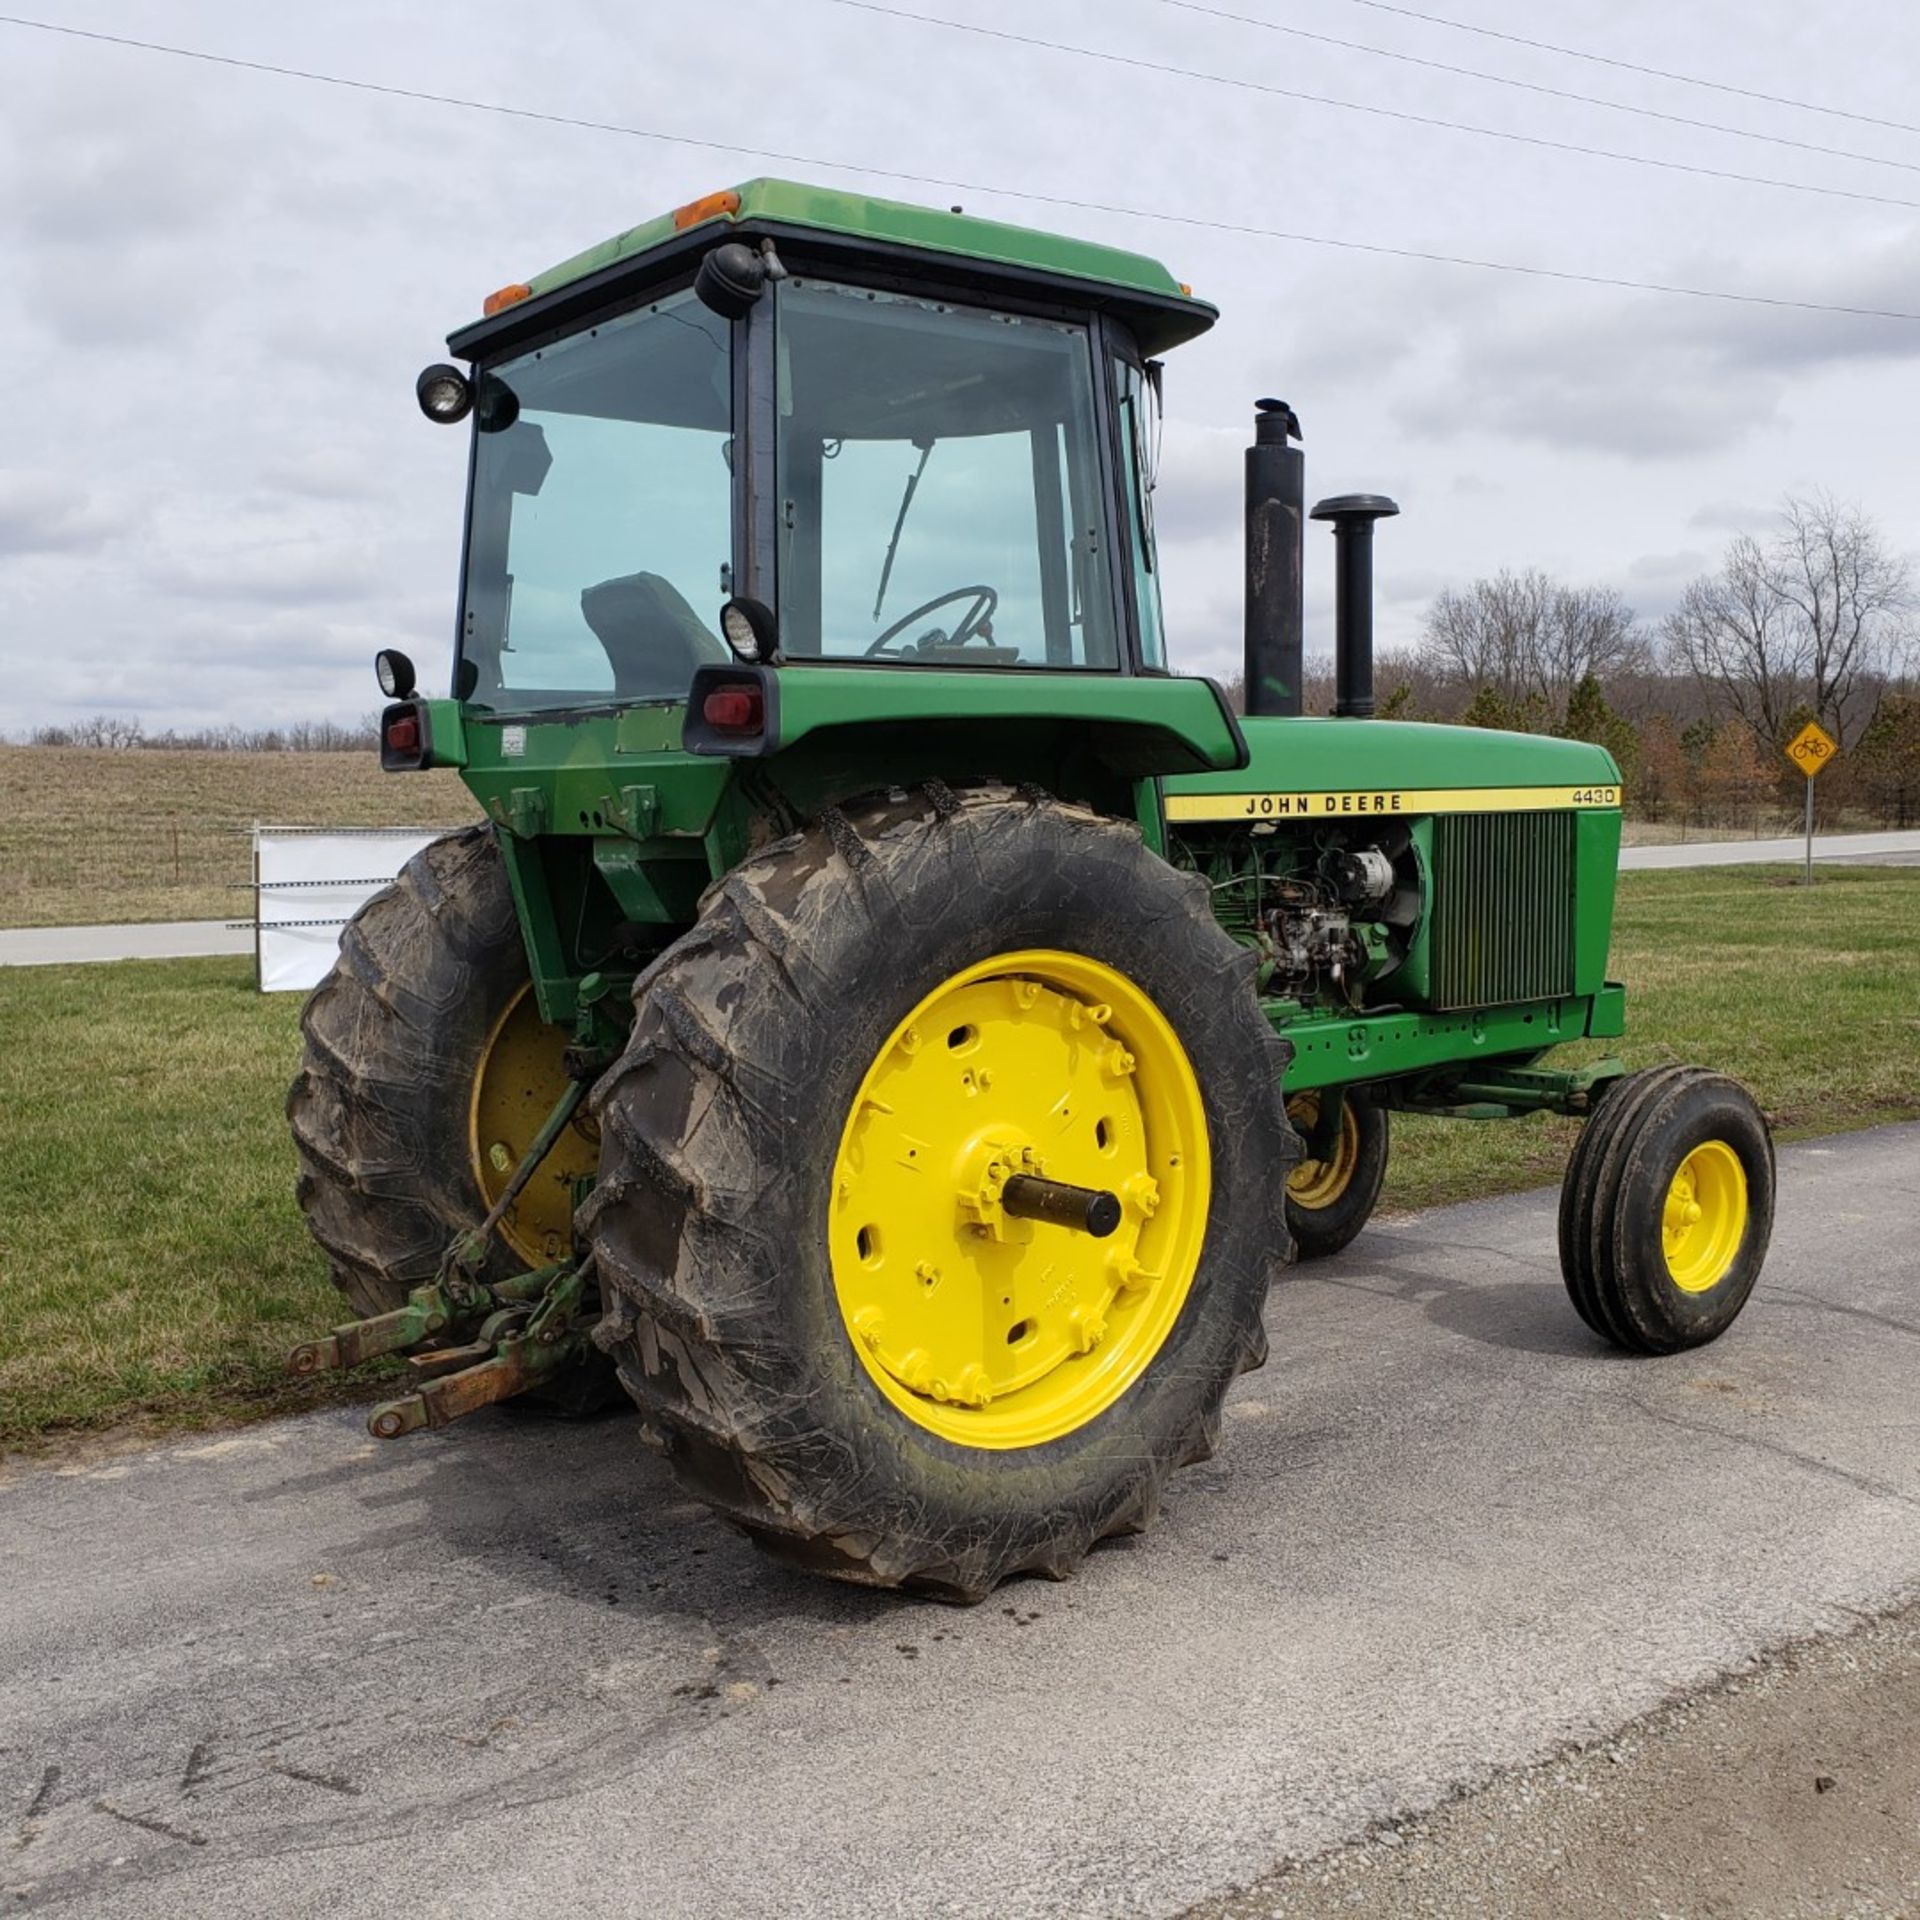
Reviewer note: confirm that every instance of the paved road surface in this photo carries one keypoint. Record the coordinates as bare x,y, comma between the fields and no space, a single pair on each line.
1850,849
506,1670
143,940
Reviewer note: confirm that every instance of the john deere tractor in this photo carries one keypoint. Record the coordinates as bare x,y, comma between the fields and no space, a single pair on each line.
889,1024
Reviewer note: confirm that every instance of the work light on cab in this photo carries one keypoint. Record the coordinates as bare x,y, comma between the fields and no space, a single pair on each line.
445,394
748,628
394,671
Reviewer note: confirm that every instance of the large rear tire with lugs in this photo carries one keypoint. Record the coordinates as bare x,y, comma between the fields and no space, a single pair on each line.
425,1072
816,1286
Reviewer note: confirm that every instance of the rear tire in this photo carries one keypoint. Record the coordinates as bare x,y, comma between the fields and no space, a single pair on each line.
394,1039
720,1226
1666,1209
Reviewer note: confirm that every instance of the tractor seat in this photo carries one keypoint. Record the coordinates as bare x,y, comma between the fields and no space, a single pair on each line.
653,639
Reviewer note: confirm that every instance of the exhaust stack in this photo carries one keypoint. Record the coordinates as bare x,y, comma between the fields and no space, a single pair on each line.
1353,515
1276,501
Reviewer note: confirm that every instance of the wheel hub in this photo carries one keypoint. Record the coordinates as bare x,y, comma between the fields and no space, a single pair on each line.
1319,1183
520,1078
1704,1217
998,1328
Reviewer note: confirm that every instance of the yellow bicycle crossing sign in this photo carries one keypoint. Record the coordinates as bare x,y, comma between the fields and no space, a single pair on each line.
1811,748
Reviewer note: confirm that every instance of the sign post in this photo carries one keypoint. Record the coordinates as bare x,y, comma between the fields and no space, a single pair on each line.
1812,748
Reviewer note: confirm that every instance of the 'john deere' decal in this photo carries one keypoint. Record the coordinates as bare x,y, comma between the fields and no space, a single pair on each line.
1368,801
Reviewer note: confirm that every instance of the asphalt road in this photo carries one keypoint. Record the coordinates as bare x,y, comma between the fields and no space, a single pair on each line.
505,1669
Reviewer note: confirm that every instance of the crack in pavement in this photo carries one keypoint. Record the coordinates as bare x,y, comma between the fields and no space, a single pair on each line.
1793,1297
1862,1483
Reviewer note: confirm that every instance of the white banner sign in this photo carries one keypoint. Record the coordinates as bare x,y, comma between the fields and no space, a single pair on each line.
309,882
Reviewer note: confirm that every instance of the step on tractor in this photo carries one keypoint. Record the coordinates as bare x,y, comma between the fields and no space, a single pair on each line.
890,1025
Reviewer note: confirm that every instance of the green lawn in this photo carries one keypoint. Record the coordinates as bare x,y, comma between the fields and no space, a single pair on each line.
153,1267
1811,996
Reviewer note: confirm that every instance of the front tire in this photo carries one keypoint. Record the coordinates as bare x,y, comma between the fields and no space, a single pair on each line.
813,1293
1666,1209
1329,1201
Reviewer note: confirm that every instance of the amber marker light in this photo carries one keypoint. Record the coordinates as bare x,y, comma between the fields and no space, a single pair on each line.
504,297
710,206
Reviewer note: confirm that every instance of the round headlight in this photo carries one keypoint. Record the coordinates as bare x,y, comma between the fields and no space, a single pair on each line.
738,630
394,671
444,393
748,628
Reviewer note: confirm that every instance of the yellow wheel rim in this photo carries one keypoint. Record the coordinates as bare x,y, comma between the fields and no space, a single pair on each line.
991,1331
1319,1183
1704,1219
519,1080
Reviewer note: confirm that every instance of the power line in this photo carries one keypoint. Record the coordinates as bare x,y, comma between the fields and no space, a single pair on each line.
1143,65
1199,222
1532,86
1634,66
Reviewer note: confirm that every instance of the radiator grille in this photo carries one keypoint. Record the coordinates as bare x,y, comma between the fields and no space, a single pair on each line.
1502,908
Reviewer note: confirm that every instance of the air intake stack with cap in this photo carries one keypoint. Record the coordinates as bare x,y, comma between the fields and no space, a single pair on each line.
1353,515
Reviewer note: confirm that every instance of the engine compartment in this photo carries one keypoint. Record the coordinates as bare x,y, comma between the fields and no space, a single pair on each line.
1332,910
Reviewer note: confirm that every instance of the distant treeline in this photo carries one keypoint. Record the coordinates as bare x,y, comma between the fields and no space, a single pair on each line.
1820,621
302,736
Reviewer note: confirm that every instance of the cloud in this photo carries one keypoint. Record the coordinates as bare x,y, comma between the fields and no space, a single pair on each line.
1663,380
220,497
39,515
1731,516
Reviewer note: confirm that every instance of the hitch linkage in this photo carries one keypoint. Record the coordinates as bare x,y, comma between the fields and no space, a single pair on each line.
503,1336
517,1333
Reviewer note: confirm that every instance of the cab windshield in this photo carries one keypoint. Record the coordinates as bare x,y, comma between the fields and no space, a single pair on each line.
601,530
939,488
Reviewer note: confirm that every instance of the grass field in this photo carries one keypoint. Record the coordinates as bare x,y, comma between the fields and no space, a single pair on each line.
153,1267
88,835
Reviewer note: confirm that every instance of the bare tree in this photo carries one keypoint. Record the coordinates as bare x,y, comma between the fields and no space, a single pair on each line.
1526,633
1811,618
103,730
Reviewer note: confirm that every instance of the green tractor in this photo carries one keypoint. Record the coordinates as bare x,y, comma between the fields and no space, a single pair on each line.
888,1024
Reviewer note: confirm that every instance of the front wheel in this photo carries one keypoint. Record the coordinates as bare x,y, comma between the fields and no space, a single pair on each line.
1667,1209
829,1290
1329,1200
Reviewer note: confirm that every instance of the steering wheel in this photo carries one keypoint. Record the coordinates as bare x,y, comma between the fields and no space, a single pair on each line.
978,615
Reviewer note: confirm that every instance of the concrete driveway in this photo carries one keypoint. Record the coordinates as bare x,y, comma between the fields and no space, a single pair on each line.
507,1670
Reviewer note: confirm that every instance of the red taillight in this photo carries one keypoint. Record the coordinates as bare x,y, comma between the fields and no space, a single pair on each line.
403,733
734,710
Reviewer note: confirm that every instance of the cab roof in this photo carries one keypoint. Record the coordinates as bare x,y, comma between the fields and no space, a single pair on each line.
1161,311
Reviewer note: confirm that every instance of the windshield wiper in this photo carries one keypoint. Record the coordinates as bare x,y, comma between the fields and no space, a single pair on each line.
900,521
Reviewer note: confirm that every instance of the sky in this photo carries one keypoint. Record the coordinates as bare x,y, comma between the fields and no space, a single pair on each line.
217,496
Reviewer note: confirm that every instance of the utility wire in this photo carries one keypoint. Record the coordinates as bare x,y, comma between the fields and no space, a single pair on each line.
1198,222
1143,65
1533,86
1634,66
